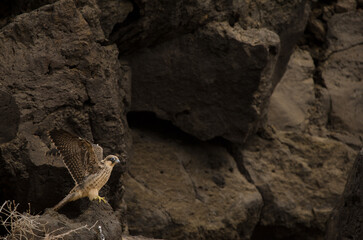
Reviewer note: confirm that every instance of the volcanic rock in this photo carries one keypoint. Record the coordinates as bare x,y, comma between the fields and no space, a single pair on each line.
300,178
181,188
59,77
346,220
343,70
294,95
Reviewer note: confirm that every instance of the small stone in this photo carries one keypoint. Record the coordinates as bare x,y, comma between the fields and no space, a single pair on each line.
317,28
345,6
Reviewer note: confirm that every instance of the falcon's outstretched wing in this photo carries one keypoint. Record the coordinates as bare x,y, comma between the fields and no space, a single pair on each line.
78,154
98,151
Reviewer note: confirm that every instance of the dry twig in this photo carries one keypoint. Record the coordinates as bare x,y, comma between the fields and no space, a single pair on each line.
24,226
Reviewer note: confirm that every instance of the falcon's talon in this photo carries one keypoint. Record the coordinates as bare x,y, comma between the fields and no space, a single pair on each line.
101,199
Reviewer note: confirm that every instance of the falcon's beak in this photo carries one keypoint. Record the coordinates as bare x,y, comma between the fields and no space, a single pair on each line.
117,161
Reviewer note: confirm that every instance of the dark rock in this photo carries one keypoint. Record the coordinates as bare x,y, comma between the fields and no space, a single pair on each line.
96,221
328,12
288,20
316,27
207,67
217,80
60,77
344,31
153,22
300,178
346,221
9,117
294,95
343,70
179,188
11,8
127,237
112,13
181,49
345,6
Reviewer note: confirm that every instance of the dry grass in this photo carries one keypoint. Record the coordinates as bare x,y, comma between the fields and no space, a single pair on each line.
24,226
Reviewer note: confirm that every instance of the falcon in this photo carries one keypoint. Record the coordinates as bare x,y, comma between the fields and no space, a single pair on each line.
86,165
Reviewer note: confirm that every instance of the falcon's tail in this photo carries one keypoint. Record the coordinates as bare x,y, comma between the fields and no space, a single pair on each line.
70,197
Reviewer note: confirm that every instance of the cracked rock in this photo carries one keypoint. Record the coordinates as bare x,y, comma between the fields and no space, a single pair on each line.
300,178
187,191
343,71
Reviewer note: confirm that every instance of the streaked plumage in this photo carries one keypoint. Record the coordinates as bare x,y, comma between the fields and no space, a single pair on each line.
85,163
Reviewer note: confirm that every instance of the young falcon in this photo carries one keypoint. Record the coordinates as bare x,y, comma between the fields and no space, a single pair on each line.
85,163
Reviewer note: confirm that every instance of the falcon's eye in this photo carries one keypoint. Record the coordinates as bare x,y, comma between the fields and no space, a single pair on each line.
113,159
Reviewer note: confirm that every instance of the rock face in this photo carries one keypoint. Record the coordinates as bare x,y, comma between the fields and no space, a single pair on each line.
203,89
59,77
181,188
300,164
96,221
294,95
112,13
228,161
300,177
216,77
343,70
98,217
346,220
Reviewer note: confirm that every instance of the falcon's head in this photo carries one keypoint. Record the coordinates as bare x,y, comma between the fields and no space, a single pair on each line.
111,160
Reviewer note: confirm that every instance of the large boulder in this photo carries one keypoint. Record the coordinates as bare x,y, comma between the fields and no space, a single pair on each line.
300,178
214,62
180,188
97,221
212,83
152,22
60,77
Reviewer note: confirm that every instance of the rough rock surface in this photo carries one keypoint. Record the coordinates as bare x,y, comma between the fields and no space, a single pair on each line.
9,118
346,221
112,13
181,188
152,22
300,178
343,70
59,76
203,89
345,5
209,67
98,217
128,237
9,9
294,95
190,67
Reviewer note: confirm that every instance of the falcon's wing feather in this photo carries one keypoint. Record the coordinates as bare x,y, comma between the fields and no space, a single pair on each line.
98,151
78,154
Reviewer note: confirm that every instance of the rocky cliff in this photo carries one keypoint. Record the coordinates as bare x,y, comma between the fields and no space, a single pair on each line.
240,119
